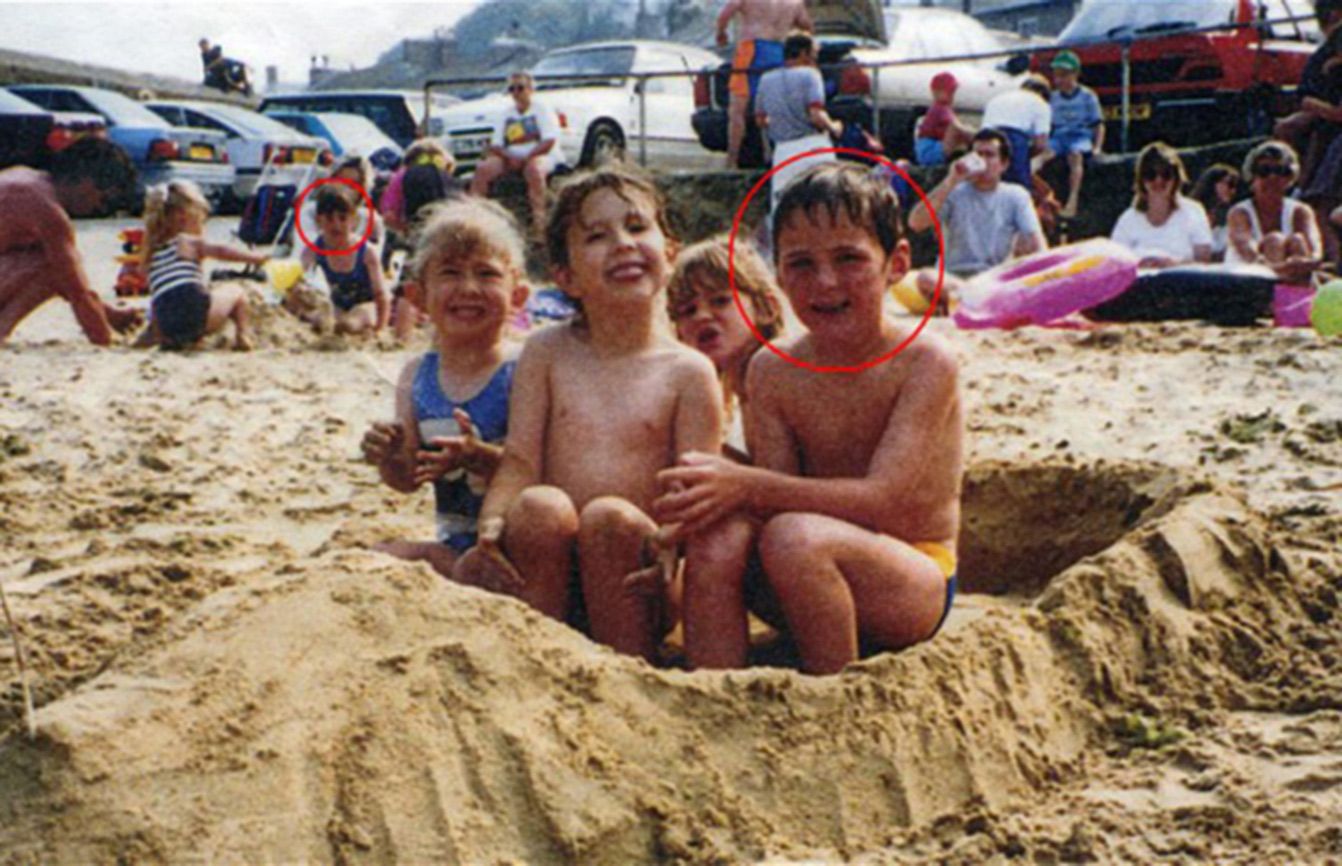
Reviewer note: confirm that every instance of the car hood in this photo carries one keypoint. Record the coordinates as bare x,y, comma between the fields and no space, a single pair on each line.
474,112
859,19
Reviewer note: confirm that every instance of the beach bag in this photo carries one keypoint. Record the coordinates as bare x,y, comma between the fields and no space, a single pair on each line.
422,186
265,214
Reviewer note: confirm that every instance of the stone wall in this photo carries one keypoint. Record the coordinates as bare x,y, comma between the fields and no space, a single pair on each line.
17,67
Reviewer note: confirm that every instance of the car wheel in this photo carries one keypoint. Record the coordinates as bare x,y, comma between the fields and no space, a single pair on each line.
604,144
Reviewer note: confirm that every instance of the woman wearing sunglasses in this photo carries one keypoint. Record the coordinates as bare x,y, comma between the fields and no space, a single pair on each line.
1162,226
1268,227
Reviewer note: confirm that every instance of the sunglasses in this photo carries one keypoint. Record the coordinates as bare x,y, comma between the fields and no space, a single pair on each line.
1270,170
516,88
1158,174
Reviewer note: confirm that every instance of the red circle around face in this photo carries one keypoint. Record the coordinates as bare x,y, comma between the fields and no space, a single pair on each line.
736,294
298,210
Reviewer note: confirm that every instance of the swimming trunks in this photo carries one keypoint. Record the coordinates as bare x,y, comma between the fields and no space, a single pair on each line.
458,495
757,55
179,302
944,557
348,288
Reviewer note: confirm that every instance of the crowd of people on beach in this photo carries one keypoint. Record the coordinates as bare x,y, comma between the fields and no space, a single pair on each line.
662,487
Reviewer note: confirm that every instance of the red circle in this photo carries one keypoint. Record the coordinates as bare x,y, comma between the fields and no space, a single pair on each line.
736,294
298,211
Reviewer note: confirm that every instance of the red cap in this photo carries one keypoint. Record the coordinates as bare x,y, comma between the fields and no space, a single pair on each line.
944,81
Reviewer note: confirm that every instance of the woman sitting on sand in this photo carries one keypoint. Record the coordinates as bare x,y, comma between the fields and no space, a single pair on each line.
1270,228
1162,226
701,305
1215,191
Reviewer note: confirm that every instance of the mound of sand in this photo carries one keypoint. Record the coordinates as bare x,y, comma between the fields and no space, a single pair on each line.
353,710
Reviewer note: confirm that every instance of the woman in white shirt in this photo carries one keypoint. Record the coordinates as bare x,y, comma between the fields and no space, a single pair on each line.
1162,226
1270,228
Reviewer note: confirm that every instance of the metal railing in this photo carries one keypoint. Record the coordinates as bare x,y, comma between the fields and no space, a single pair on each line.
640,79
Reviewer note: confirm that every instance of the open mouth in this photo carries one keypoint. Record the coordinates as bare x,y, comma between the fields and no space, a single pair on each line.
831,309
708,338
467,312
628,271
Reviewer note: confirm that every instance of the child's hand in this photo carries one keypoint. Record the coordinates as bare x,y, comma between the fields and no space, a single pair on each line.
455,452
657,565
702,489
485,566
382,441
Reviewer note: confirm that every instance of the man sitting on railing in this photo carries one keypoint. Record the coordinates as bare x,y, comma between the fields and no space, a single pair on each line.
1312,129
526,142
759,47
1025,118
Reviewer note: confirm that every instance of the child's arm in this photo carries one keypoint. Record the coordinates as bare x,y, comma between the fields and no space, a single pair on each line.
458,452
227,253
392,447
523,452
380,298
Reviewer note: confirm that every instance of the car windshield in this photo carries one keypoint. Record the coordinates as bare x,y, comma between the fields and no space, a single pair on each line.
122,110
1100,20
255,125
914,35
356,132
614,62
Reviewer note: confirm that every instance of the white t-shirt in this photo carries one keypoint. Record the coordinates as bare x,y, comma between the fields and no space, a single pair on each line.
1186,228
519,133
1018,109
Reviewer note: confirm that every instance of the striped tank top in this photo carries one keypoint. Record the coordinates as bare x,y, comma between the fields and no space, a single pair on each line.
168,271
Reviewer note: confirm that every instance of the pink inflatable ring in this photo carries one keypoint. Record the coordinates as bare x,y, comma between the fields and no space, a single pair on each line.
1047,285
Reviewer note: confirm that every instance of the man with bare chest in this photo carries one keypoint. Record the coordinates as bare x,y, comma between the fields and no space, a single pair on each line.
762,25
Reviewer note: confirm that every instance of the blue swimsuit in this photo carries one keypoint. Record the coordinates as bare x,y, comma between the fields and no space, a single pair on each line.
351,288
458,495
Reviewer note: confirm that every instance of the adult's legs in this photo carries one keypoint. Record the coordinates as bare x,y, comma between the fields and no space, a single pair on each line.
837,582
736,126
485,174
536,172
611,536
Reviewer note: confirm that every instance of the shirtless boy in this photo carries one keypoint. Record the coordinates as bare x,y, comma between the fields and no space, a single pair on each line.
38,258
760,32
598,407
856,475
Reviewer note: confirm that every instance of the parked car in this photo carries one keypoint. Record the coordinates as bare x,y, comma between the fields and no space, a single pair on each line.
346,134
398,113
30,135
1191,88
858,32
253,140
159,152
599,119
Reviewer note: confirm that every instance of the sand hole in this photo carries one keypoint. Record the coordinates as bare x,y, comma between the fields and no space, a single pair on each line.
1022,524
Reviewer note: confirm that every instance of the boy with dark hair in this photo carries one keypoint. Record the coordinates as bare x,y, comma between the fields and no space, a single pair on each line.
857,474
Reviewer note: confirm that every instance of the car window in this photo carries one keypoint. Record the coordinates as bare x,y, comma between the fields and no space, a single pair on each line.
204,121
1276,10
655,60
170,113
388,112
248,122
615,62
118,109
1100,20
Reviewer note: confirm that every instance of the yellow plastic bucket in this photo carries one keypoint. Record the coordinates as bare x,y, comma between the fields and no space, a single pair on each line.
284,275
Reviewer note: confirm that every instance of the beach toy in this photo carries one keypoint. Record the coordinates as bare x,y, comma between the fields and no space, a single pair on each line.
131,281
1047,285
906,292
284,275
1326,316
1291,304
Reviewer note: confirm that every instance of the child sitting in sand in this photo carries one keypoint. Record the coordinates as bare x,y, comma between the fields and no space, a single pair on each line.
452,403
857,474
355,276
182,308
600,405
704,312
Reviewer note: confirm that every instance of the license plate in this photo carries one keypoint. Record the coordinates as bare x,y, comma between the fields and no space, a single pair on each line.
471,144
1136,111
201,151
304,155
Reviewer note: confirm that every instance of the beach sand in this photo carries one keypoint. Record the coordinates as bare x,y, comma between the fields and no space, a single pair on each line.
1145,668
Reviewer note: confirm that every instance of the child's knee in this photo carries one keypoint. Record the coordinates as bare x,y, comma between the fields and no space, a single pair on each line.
788,540
611,517
543,511
719,553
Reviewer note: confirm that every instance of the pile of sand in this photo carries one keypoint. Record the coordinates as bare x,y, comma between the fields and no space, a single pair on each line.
224,672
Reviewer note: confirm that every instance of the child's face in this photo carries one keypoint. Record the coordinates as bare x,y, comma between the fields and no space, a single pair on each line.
1065,80
336,227
472,295
709,321
616,251
191,219
835,274
943,95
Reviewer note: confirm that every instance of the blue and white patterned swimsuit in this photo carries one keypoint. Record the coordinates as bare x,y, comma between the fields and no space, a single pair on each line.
458,495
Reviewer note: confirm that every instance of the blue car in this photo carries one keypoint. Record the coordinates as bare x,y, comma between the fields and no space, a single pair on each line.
346,133
160,152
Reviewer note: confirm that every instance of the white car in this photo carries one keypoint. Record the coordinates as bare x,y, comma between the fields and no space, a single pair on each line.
252,139
599,119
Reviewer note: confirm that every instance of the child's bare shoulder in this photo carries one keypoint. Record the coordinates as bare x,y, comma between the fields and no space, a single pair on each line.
690,367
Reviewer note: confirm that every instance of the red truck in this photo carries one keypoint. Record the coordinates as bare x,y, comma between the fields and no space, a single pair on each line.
1191,88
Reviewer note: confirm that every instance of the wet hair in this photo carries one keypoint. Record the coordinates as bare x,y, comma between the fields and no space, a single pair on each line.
431,148
464,227
99,162
842,187
798,42
622,180
1204,191
361,165
1003,143
335,198
1038,85
707,263
1155,155
161,204
1278,151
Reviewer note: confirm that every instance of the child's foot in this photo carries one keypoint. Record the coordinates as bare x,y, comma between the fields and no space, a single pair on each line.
243,343
123,319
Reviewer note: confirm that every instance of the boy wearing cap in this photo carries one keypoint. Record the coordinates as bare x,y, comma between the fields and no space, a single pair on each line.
940,133
1078,124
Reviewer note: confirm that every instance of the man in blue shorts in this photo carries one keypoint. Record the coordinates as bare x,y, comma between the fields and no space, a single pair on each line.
760,32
